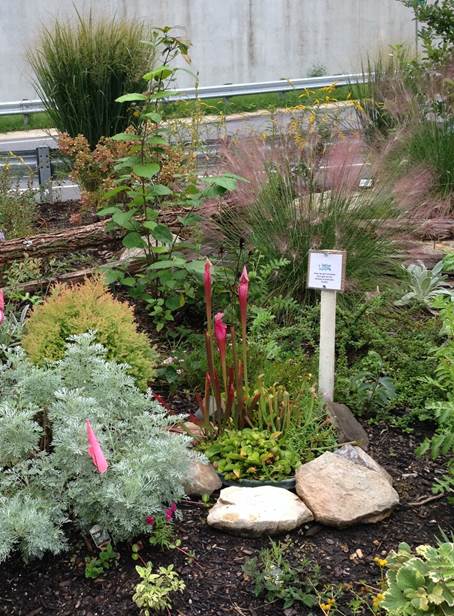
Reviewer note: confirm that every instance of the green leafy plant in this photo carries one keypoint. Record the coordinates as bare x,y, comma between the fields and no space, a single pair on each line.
425,285
106,559
81,68
11,329
373,389
421,582
389,341
436,29
251,454
168,277
275,578
442,410
47,474
71,310
153,593
18,210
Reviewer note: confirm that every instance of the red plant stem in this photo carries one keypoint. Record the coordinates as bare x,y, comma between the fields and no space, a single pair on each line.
244,347
212,372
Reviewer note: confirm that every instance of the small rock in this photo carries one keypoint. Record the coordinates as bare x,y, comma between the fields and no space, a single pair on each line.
348,428
258,511
341,492
201,479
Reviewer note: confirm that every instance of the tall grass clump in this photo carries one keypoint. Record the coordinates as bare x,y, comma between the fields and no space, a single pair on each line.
81,68
384,96
290,216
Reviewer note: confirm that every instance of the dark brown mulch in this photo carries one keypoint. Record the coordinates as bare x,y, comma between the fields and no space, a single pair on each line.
62,215
215,583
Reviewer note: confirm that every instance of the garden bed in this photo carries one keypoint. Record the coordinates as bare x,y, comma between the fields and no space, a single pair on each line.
214,580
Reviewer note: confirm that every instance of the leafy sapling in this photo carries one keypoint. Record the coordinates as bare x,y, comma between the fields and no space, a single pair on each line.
94,567
153,593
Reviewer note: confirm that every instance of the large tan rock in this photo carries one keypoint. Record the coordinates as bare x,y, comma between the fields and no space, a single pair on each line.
340,491
201,479
258,511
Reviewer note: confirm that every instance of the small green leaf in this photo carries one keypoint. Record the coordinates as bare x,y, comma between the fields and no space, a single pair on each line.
153,116
133,240
161,233
107,211
129,98
125,137
162,72
159,190
147,170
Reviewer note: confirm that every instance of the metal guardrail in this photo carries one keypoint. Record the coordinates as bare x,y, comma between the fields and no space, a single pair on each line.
27,107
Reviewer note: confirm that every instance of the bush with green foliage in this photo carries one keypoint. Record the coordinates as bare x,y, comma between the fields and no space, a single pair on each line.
82,67
402,342
47,476
71,310
420,583
436,27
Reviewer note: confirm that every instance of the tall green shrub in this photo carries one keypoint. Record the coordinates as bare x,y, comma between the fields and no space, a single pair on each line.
81,68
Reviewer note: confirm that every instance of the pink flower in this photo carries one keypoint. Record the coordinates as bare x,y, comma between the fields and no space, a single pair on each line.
149,520
170,511
243,292
94,450
220,331
2,306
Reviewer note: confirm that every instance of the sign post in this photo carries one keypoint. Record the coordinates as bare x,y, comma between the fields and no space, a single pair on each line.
327,273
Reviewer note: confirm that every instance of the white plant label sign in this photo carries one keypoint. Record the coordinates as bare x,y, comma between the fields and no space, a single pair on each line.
327,270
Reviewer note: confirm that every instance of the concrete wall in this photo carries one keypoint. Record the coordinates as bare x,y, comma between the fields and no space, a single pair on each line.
233,40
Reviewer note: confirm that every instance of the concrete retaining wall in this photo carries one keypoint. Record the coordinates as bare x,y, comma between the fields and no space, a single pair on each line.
233,40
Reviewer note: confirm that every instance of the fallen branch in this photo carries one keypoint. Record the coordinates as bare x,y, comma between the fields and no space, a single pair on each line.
424,501
133,265
72,239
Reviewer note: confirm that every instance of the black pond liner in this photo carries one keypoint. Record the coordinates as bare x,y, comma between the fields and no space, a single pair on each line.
287,484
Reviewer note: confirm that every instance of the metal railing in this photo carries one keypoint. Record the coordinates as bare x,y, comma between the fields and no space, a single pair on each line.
27,107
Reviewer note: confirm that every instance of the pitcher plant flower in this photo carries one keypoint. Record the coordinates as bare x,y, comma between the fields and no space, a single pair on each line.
243,292
220,332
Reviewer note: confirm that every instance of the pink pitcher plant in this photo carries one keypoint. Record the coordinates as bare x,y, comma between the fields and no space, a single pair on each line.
234,401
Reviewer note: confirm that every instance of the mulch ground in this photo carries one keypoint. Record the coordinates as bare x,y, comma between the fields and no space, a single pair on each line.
215,584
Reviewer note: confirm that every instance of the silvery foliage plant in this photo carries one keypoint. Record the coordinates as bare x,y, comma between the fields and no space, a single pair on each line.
47,478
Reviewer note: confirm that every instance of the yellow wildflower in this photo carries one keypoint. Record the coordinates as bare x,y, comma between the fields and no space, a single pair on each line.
326,607
377,600
381,562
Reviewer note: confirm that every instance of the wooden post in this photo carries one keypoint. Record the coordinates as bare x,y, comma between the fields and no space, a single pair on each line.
327,359
326,271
